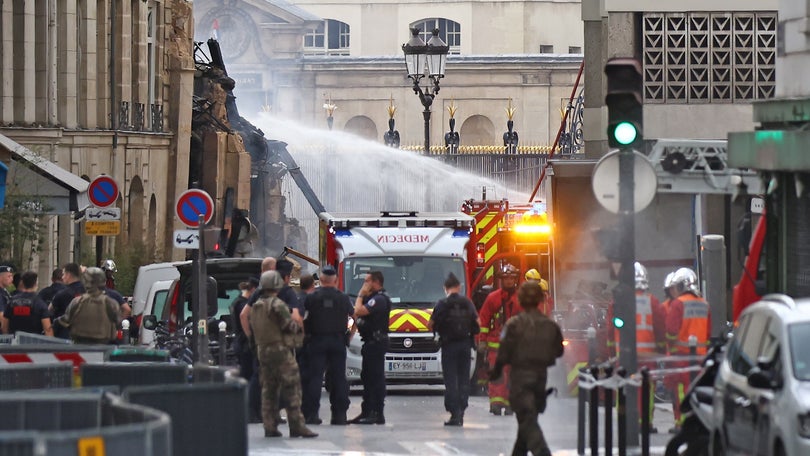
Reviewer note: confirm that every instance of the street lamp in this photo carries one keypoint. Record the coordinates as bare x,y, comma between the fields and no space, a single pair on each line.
425,59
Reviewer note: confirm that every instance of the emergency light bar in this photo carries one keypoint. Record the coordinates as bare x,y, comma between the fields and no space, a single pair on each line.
541,228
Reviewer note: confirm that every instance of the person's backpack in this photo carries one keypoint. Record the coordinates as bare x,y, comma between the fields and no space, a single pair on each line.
458,322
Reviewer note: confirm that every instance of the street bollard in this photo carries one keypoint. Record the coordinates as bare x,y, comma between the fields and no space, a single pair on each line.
608,415
692,356
621,415
591,336
125,332
223,328
593,419
581,398
645,412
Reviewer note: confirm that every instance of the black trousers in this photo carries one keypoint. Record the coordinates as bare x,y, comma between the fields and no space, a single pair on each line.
373,376
456,371
325,352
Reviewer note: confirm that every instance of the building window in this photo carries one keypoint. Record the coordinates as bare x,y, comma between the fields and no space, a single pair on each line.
449,31
574,49
330,38
546,49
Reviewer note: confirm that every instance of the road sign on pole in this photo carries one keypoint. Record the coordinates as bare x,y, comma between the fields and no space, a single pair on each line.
192,204
186,239
103,191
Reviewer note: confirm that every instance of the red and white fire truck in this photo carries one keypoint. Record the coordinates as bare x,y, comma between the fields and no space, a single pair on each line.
415,252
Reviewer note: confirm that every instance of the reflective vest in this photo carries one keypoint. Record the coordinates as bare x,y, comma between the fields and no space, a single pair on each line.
695,323
645,335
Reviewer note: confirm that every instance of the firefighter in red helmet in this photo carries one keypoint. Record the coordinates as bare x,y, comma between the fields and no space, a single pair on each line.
499,306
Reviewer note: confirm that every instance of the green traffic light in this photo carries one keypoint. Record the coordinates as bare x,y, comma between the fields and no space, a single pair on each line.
618,322
625,133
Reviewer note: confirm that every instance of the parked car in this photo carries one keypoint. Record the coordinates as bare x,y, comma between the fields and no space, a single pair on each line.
762,392
155,301
147,276
226,273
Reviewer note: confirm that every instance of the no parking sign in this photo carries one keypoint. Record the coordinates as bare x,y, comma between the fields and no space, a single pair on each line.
192,204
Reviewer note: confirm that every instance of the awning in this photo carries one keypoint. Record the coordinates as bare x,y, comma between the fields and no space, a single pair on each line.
54,189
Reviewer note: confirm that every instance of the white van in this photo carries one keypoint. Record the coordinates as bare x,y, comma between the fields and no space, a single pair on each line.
148,275
155,302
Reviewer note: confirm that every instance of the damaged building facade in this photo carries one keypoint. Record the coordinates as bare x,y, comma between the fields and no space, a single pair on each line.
98,87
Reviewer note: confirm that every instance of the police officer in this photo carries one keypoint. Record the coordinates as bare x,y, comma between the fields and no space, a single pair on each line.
274,331
57,285
71,275
530,345
93,317
6,277
25,310
328,311
371,312
456,321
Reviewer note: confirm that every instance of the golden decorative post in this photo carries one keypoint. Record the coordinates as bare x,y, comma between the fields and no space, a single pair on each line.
451,138
330,110
510,138
391,137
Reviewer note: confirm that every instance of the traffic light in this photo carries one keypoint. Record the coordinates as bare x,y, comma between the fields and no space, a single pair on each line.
618,322
624,101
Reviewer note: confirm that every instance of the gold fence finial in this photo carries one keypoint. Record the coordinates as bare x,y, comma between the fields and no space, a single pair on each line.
510,111
391,107
452,108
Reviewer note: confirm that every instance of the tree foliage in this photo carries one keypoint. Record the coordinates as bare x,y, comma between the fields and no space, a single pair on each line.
23,223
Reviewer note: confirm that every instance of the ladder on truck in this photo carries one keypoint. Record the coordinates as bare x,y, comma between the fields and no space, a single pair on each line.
699,167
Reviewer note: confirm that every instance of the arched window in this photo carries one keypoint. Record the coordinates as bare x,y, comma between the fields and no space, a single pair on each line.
449,31
331,37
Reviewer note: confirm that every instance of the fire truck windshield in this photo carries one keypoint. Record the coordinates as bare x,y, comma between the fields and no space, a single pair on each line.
410,281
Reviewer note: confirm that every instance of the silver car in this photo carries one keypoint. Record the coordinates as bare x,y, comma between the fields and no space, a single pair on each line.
762,392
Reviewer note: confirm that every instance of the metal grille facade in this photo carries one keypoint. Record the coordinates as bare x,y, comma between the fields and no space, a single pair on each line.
709,57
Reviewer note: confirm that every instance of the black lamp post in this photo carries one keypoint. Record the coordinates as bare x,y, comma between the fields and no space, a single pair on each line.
425,59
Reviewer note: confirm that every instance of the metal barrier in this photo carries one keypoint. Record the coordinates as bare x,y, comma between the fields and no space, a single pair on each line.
221,407
6,339
133,374
62,423
36,376
602,379
24,338
138,354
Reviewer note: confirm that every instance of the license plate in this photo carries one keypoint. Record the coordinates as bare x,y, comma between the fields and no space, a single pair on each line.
407,366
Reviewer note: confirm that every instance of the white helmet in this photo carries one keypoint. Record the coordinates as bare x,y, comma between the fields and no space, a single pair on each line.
109,265
685,279
641,277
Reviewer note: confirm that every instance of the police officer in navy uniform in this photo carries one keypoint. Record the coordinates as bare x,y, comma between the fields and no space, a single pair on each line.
72,275
455,320
371,311
328,310
25,310
6,277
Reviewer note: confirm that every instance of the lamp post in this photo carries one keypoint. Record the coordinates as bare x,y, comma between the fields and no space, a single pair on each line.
423,59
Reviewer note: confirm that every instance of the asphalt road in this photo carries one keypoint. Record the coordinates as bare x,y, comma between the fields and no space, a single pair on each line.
414,425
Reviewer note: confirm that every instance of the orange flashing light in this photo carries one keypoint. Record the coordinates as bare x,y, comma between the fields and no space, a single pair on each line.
534,228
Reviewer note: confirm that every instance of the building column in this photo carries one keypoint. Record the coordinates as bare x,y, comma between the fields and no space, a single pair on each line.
67,58
7,62
102,67
24,35
87,77
123,66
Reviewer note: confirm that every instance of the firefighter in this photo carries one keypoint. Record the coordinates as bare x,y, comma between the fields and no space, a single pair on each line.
650,326
688,316
499,306
533,275
109,268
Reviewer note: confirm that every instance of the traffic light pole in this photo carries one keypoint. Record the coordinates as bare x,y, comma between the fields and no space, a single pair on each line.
624,294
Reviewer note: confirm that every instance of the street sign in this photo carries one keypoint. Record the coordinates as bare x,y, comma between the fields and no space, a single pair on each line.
605,182
193,203
186,239
102,213
102,228
103,191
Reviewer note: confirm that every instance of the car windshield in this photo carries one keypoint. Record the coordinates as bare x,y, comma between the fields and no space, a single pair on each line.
799,334
410,281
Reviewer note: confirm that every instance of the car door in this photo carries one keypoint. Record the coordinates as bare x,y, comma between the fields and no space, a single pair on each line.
762,399
739,414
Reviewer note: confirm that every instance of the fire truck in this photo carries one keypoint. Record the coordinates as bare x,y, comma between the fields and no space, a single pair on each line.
415,253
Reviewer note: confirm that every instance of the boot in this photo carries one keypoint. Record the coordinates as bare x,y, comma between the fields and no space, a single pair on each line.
456,419
303,432
372,418
507,410
359,417
338,419
313,420
273,432
496,409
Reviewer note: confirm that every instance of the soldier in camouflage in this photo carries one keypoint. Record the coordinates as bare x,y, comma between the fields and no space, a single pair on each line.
92,317
527,394
276,335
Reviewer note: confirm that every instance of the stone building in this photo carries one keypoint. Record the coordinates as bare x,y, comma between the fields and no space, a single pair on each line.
98,87
293,56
